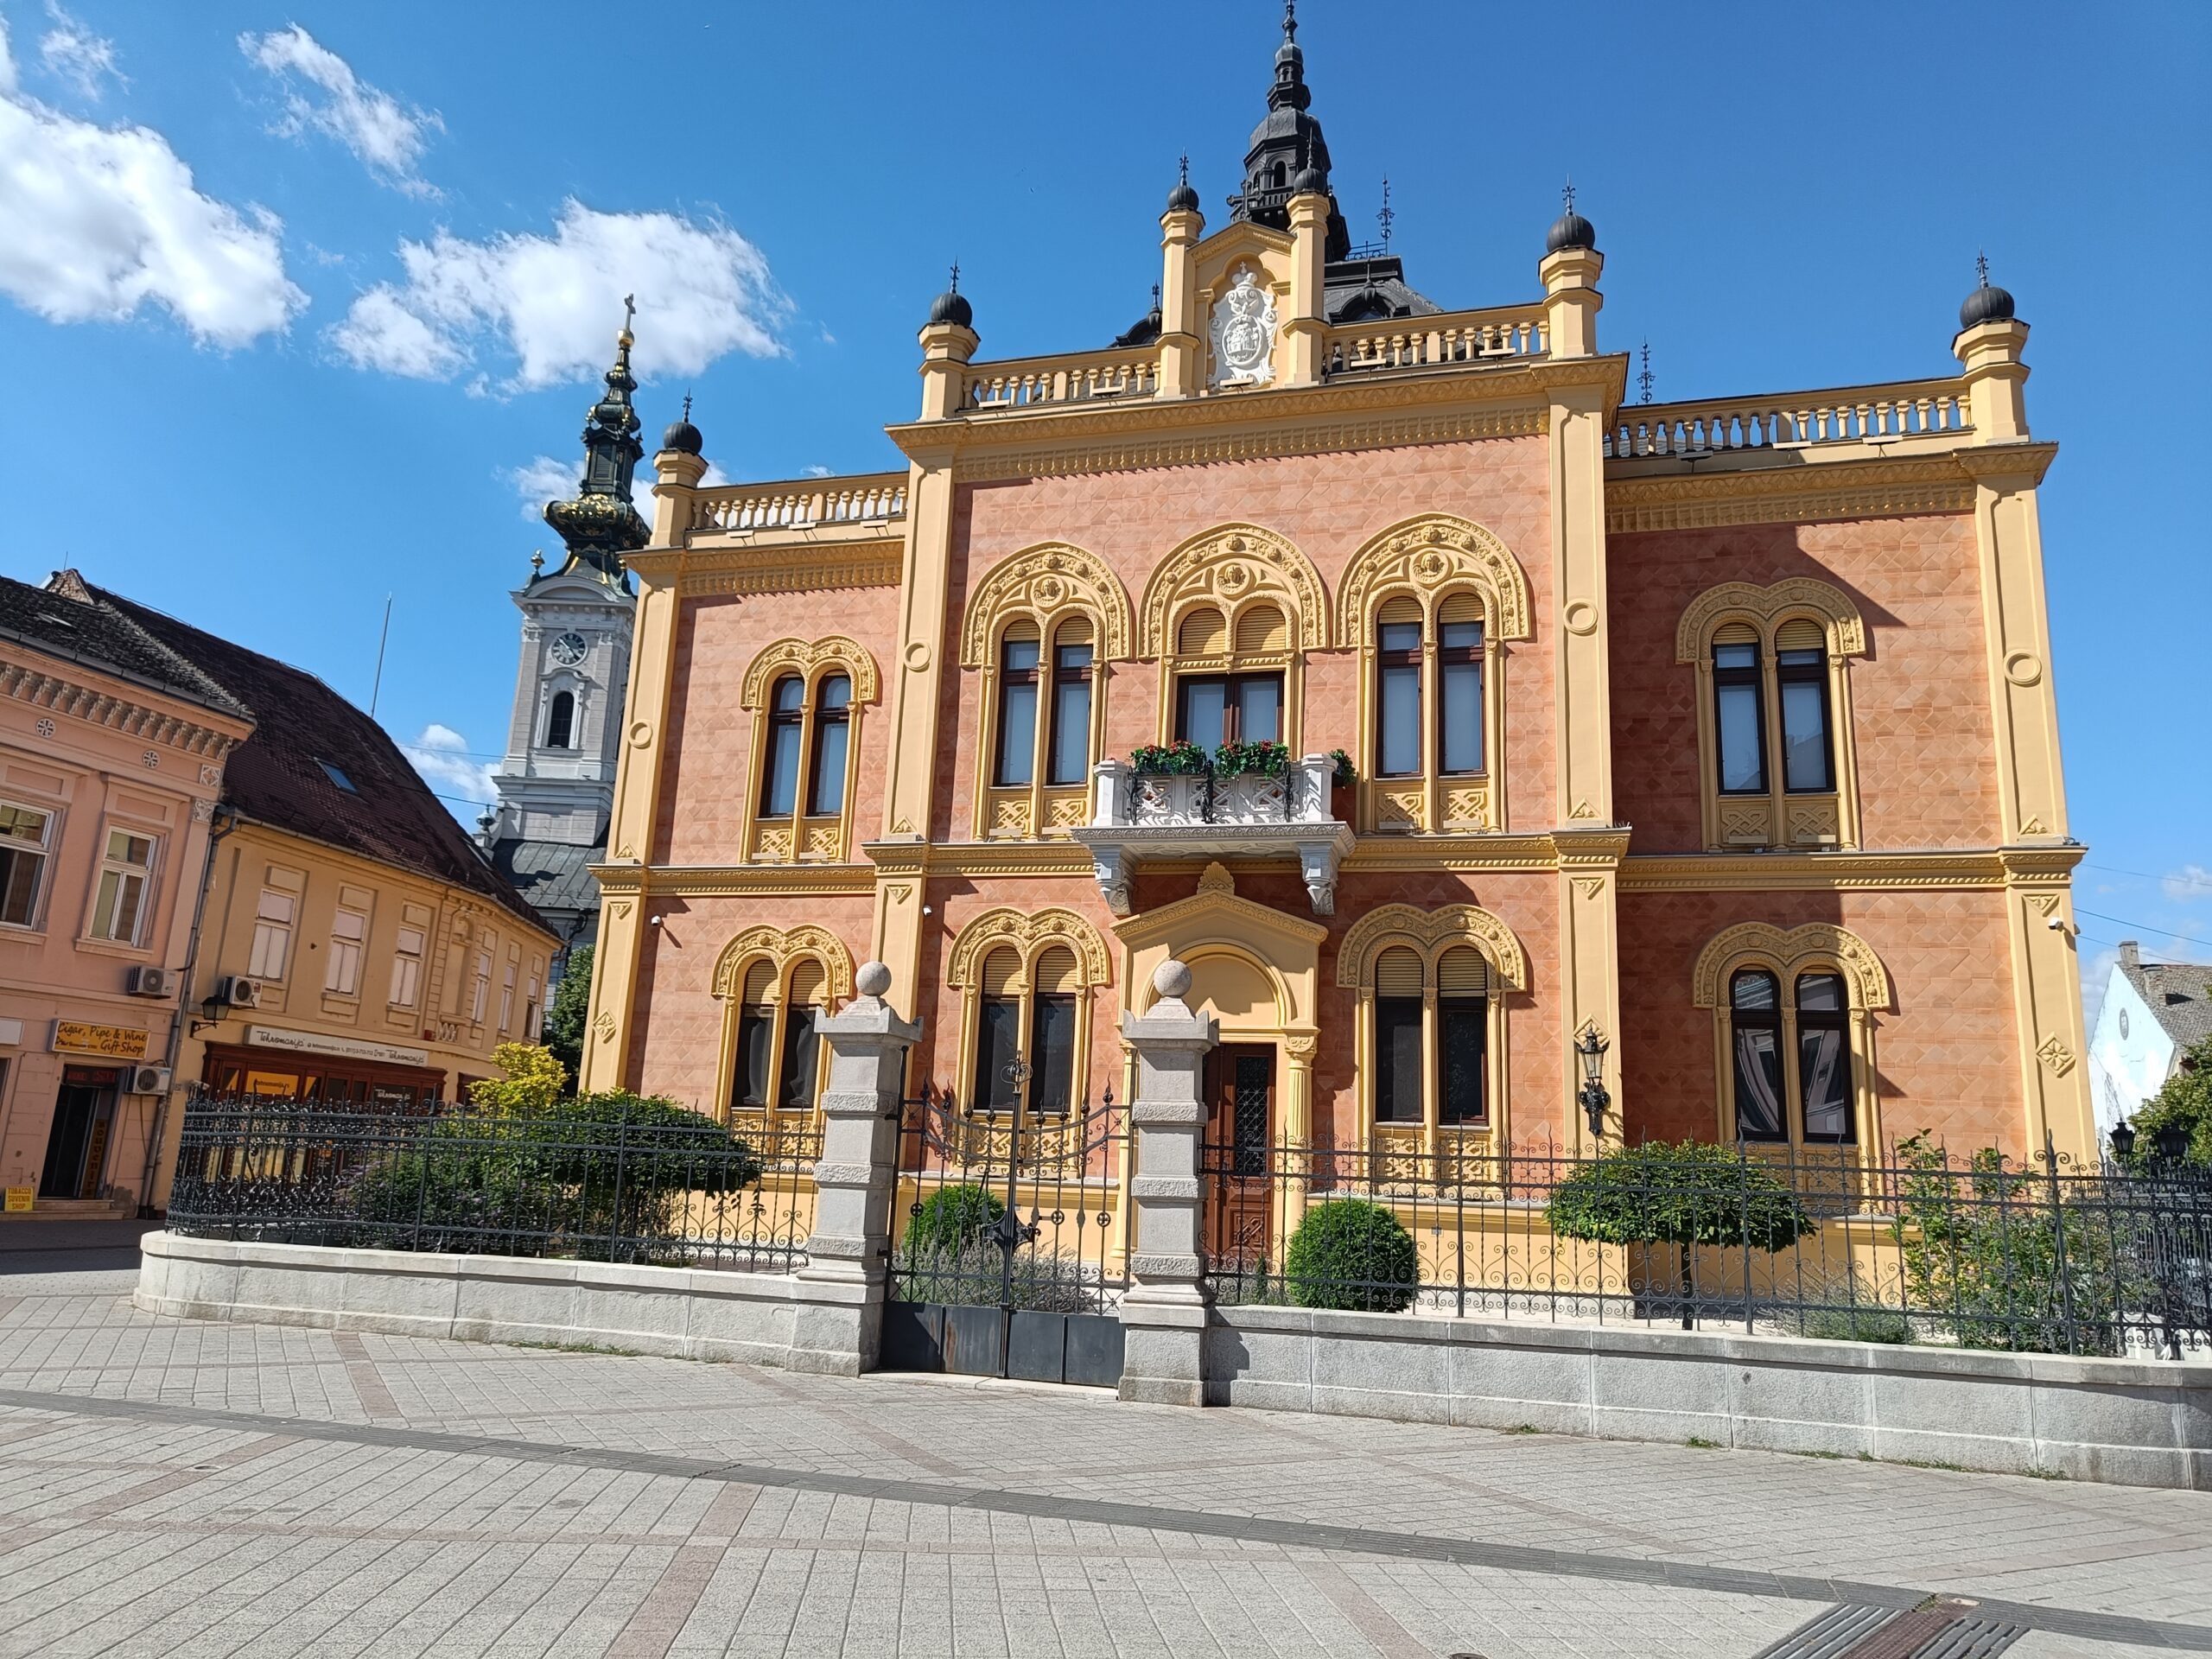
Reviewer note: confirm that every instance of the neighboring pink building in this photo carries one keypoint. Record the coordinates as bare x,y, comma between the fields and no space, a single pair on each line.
111,756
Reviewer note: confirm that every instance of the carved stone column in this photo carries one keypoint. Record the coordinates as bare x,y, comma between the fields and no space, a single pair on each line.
1164,1315
838,1320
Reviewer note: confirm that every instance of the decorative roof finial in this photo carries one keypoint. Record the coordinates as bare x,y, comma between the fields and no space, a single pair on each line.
1384,216
1644,378
1981,266
1155,297
955,288
1183,168
536,561
1290,20
687,405
1567,196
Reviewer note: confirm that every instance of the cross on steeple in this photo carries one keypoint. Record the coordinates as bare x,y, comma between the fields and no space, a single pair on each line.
1644,378
629,311
1981,267
1290,20
956,276
1384,216
1567,194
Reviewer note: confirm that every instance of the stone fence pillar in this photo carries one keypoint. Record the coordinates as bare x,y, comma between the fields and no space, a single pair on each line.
1165,1313
838,1317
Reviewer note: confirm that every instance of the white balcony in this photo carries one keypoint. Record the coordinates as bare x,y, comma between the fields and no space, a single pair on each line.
1141,817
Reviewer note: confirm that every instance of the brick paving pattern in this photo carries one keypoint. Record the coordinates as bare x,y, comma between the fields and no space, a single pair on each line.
189,1489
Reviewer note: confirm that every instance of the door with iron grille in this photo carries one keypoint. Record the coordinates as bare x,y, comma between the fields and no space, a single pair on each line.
1240,1130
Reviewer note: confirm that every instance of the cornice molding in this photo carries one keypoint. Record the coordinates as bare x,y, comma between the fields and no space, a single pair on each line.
1816,490
734,880
1811,872
60,695
773,567
1988,463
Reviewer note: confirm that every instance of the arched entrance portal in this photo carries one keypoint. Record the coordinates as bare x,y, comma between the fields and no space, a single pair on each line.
1256,970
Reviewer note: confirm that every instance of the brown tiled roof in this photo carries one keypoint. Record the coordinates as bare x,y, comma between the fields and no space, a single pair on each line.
279,776
66,622
2178,992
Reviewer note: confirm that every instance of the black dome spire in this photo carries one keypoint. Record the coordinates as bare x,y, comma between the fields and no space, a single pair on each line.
952,306
1287,151
1570,229
1987,303
1182,198
681,436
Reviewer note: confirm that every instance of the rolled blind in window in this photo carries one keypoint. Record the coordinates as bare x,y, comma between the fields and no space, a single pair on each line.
1397,973
1056,972
1001,969
1203,633
1260,628
810,985
1461,607
1800,633
1737,634
758,978
1402,608
1075,631
1463,972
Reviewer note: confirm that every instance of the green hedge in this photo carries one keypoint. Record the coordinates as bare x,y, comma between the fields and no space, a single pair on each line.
1353,1255
1663,1192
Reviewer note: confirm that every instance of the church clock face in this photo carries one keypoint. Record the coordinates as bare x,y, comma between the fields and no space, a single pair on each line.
568,650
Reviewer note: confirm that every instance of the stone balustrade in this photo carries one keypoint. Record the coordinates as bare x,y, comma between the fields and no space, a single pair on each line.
1035,383
1438,341
1865,415
798,504
1145,815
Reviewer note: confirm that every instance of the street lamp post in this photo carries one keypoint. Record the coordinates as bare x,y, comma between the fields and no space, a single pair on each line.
1590,1046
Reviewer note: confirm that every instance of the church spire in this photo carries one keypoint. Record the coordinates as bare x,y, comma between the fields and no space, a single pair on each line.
1287,153
601,523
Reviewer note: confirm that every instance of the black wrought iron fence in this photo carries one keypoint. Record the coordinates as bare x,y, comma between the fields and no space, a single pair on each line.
1019,1211
1978,1251
651,1186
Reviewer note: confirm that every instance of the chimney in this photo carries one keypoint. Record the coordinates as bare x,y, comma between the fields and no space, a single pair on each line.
2131,955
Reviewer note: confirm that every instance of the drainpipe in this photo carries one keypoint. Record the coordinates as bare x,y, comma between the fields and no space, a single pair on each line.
224,820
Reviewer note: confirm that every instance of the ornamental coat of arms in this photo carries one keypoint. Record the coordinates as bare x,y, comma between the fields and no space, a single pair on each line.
1244,334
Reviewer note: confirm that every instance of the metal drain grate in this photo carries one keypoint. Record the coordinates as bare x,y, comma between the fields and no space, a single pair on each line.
1940,1628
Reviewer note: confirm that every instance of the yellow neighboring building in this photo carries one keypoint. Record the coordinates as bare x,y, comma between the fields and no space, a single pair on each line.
353,943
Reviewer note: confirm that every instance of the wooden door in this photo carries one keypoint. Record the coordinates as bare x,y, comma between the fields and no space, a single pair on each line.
1240,1135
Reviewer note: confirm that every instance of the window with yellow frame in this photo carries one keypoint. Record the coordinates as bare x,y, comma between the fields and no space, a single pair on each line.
806,698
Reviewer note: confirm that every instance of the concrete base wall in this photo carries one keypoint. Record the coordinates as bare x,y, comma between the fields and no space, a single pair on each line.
686,1314
2131,1422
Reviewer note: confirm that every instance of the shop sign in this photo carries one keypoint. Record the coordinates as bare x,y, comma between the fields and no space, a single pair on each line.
344,1048
109,1042
19,1198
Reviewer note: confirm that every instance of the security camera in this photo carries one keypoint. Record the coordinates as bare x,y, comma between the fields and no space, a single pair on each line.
2056,924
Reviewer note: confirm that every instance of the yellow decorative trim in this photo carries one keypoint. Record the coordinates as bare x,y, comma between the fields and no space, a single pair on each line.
735,881
1425,555
1788,495
1028,934
1764,944
1809,872
796,569
1047,582
1764,606
780,946
1431,932
1232,566
803,657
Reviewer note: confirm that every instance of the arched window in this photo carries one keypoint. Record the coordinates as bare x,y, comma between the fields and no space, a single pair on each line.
807,698
777,1060
1774,724
560,720
1823,1059
1755,1022
1027,980
833,710
1019,654
1068,740
1430,738
1228,687
786,737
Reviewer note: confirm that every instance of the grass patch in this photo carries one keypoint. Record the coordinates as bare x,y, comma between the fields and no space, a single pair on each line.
1931,1463
1521,1428
1702,1444
579,1348
1832,1457
2047,1474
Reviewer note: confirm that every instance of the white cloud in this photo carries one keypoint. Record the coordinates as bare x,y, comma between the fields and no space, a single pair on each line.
101,221
817,472
2191,881
555,302
74,54
441,754
387,136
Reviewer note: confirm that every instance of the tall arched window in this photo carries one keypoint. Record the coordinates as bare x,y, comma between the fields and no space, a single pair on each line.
833,710
1810,1103
1755,1019
1019,654
1028,1023
786,738
1229,684
807,696
560,720
777,1062
1823,1058
1430,738
1043,723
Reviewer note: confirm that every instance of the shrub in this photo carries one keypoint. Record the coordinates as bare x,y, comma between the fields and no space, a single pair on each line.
1262,759
1350,1254
535,1079
950,1218
1344,774
1181,756
1691,1193
564,1015
1848,1313
2185,1099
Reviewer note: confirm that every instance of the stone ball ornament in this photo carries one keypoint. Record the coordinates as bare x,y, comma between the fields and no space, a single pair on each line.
1172,979
874,979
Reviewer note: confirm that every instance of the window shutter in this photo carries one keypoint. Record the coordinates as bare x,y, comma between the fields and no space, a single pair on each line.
1801,633
1737,634
1203,633
1397,973
810,985
1075,631
758,978
1463,971
1260,628
1461,607
1404,608
1022,627
1001,969
1056,972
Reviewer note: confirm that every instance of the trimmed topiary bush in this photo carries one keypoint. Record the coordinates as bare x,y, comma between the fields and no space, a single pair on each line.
1353,1255
951,1218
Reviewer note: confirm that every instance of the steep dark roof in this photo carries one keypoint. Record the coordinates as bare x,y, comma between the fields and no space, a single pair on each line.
2178,992
552,874
281,776
1360,290
69,623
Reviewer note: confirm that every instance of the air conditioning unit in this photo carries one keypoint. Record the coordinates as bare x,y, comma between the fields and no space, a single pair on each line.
149,982
147,1080
237,991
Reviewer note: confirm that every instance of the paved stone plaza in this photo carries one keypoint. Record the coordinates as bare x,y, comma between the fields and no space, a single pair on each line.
207,1489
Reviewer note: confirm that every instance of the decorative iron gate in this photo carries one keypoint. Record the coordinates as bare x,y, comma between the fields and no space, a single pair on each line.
1011,1252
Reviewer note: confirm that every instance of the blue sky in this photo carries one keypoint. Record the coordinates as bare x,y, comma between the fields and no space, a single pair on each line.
300,305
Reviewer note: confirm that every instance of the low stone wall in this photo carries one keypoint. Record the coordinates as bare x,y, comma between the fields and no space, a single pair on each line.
2131,1422
683,1312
